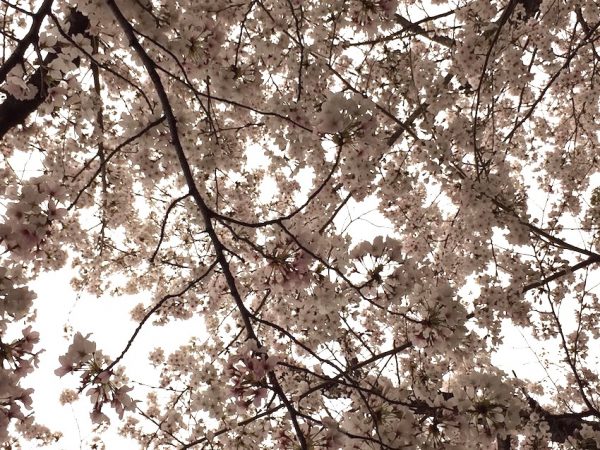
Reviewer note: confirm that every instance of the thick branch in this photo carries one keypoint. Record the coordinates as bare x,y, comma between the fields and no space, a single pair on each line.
13,112
17,55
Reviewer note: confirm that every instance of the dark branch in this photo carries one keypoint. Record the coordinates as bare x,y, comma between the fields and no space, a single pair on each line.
13,112
17,55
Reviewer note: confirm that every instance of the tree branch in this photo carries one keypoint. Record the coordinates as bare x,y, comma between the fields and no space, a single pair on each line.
204,210
19,52
13,112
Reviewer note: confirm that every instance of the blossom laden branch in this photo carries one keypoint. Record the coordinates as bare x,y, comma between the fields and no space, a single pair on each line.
83,357
294,308
29,39
205,211
14,111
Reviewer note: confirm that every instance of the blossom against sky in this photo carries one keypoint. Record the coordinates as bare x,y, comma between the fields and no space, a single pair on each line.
470,126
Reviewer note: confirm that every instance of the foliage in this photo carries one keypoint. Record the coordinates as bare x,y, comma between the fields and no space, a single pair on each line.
209,152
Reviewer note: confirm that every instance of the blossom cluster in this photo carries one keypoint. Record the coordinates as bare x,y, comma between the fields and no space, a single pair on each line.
30,215
247,371
342,114
83,357
287,268
442,318
17,359
370,188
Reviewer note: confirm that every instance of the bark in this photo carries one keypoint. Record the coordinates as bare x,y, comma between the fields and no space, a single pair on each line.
13,112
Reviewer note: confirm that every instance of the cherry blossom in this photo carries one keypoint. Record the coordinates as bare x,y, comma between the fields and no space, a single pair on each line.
83,357
356,206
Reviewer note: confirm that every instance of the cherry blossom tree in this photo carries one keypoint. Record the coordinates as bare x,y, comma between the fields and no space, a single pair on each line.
211,153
